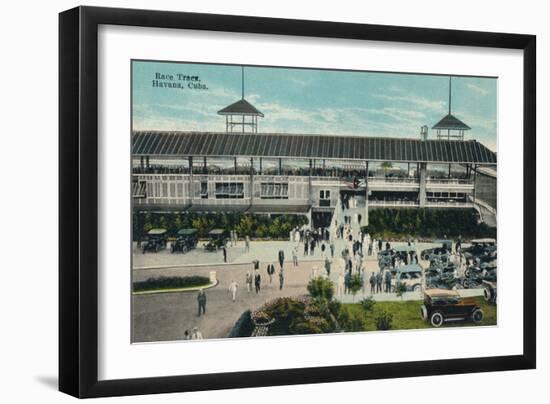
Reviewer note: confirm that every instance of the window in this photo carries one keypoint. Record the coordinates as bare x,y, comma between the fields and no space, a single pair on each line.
157,190
204,190
274,190
324,197
229,190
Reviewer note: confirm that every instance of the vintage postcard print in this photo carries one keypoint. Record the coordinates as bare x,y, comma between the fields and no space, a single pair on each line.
271,201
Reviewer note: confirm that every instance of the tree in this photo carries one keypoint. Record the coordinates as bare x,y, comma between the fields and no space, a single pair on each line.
246,225
400,289
355,284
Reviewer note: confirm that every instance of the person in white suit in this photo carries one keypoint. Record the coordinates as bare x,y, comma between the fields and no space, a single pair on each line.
233,286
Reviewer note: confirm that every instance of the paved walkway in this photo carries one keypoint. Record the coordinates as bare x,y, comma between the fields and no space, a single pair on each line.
166,316
260,250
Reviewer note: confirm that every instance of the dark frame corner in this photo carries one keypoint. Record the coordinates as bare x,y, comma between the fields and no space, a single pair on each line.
78,293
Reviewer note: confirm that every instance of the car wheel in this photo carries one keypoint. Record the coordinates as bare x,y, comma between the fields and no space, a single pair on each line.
487,294
437,319
424,312
466,284
467,272
425,257
416,288
477,315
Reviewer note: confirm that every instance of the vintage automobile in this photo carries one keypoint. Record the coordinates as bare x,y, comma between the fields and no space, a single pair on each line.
186,240
437,252
442,305
442,276
480,247
403,252
154,241
475,275
480,266
490,291
385,258
410,276
217,238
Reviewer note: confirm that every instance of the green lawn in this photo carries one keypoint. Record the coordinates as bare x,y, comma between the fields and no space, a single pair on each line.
406,315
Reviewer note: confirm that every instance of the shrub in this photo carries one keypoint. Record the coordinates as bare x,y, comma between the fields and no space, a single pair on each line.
284,310
246,224
368,303
387,224
312,325
384,321
243,327
173,282
350,320
321,288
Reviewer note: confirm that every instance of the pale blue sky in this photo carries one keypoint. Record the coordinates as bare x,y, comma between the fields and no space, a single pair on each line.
314,101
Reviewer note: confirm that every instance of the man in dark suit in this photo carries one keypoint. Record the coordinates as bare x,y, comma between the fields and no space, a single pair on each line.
281,258
257,281
201,300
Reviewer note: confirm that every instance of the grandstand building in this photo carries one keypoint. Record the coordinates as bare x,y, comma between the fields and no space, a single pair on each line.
243,170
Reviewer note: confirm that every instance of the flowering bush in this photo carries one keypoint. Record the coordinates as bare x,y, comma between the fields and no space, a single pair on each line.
261,318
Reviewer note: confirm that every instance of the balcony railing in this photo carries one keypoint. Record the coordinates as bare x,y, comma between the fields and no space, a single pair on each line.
448,181
389,203
392,180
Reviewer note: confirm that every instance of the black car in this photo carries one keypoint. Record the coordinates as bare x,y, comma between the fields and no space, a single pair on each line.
217,238
441,276
186,240
441,252
442,305
475,275
154,241
481,248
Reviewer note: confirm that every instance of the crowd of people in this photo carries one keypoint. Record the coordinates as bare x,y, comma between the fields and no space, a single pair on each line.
342,249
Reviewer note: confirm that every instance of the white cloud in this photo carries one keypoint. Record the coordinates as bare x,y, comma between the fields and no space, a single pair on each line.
299,82
477,89
414,102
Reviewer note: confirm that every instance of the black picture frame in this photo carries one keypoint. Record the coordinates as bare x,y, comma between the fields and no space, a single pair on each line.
78,196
